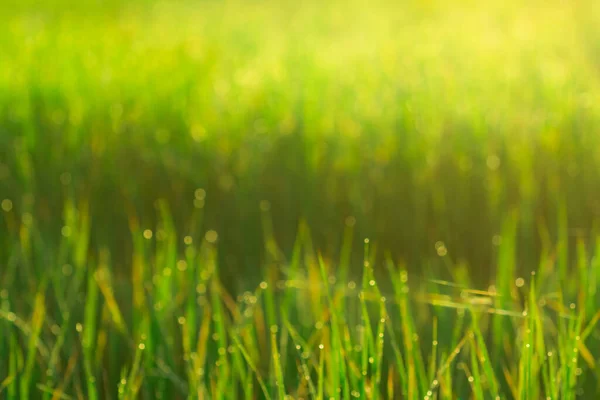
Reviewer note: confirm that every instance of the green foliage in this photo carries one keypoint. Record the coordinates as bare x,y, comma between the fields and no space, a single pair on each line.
186,188
441,118
354,339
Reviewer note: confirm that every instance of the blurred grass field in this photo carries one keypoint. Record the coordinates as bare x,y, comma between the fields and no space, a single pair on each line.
226,199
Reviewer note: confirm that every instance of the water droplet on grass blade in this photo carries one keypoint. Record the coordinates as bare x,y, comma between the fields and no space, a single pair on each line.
200,194
520,282
66,231
211,236
7,205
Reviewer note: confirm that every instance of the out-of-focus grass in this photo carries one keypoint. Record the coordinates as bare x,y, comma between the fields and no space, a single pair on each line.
426,122
161,164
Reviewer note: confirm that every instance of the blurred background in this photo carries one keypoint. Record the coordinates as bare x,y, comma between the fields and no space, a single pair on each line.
431,128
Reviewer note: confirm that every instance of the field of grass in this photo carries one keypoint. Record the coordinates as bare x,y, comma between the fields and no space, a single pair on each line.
261,199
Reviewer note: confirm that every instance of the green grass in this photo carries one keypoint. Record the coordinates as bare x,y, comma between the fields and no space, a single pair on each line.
186,190
177,333
439,118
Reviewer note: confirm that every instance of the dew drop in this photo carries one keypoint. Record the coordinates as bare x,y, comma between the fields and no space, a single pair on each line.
211,236
7,205
520,282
